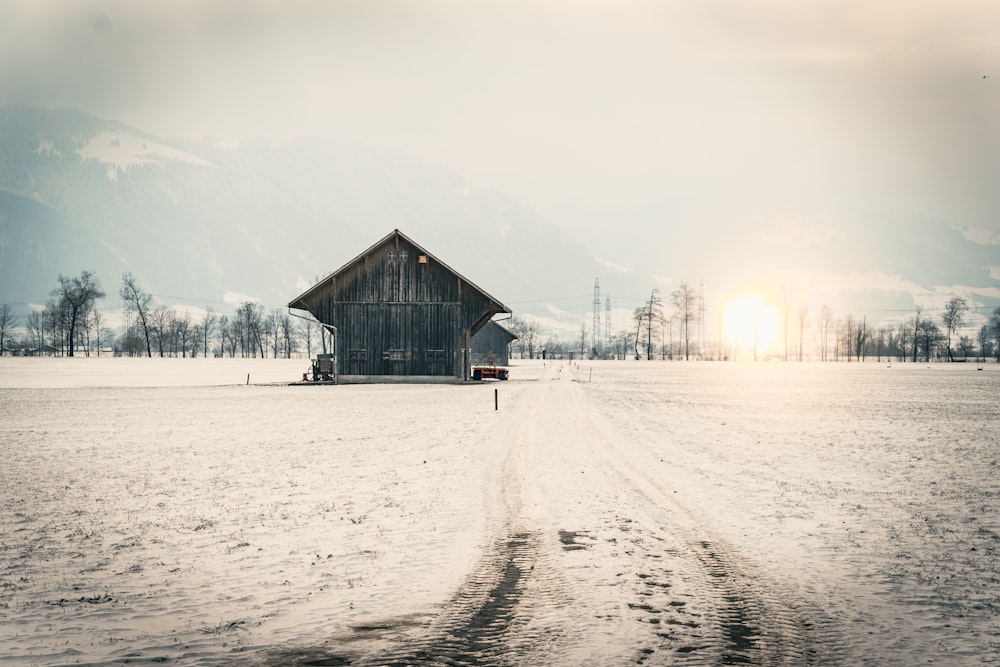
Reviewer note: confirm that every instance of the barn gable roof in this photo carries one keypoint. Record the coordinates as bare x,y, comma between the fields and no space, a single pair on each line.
496,326
301,302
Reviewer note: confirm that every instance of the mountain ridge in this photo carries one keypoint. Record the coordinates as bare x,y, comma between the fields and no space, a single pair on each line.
259,221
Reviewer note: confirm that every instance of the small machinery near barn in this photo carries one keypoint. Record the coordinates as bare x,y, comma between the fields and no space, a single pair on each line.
324,369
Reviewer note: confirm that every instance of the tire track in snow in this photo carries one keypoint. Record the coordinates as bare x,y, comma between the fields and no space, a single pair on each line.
509,607
651,585
754,621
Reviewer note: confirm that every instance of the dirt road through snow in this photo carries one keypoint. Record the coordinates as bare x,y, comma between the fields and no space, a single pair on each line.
593,563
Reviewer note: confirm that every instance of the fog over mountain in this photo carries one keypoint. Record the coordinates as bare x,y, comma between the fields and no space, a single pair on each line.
210,225
205,225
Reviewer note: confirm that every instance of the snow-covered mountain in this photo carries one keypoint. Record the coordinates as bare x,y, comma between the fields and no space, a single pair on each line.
202,224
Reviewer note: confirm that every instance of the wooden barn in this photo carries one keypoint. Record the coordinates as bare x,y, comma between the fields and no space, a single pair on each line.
491,345
395,310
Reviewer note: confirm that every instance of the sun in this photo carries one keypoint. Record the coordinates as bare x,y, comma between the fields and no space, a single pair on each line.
750,324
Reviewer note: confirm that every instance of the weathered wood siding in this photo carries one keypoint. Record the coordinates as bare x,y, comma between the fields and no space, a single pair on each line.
398,311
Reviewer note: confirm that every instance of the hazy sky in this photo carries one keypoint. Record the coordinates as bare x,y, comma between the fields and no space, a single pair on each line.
638,124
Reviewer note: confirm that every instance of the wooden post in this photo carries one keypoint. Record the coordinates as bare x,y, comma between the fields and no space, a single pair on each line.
467,356
496,399
336,356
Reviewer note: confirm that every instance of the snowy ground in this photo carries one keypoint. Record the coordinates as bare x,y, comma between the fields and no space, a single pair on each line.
607,513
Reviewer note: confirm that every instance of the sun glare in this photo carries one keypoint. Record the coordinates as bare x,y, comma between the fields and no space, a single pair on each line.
750,324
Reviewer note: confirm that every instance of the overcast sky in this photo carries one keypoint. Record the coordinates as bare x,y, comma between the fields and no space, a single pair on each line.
645,124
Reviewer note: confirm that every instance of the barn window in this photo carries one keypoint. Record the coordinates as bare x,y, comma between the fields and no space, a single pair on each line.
422,259
392,255
435,355
394,355
359,355
403,255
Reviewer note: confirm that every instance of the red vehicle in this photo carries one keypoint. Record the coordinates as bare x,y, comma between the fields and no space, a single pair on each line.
489,373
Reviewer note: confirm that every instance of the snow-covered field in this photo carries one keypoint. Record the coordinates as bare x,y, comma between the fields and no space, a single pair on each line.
607,513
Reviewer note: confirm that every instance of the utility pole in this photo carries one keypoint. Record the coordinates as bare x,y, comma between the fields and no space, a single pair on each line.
595,333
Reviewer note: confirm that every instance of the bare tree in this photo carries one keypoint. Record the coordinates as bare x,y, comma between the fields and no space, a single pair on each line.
984,340
654,313
160,321
685,300
531,337
288,334
52,320
309,329
881,339
227,337
77,296
553,348
825,326
272,331
929,336
182,328
966,346
54,325
8,322
664,340
207,329
97,323
132,343
36,331
669,321
138,301
848,335
917,323
517,327
639,315
196,339
803,312
995,331
892,343
905,337
954,318
238,331
250,320
861,335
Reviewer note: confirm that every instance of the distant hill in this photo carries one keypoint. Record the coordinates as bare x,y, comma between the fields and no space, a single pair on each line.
197,222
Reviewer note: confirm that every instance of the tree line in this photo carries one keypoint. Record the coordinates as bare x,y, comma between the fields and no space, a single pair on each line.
70,323
915,338
651,325
655,332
